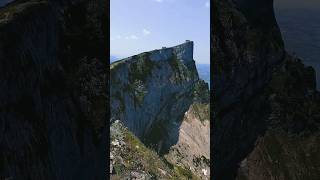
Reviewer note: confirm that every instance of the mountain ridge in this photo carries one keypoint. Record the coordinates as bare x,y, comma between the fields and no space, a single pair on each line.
151,94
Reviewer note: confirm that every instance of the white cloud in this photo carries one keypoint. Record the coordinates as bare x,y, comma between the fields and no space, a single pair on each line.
131,37
160,1
146,32
207,4
116,37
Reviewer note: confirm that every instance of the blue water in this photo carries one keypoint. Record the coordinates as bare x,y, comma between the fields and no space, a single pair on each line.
204,72
300,29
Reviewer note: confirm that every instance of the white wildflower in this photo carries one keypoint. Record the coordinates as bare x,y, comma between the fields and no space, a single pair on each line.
204,171
115,143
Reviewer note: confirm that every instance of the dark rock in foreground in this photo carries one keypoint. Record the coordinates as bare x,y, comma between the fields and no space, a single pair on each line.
265,102
53,80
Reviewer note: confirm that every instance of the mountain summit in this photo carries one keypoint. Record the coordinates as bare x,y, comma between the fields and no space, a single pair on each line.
158,96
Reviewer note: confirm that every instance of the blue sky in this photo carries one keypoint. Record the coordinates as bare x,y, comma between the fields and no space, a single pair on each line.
137,26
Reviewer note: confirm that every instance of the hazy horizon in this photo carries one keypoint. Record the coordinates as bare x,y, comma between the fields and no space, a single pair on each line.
144,25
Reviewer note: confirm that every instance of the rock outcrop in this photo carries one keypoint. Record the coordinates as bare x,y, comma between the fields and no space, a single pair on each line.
261,97
131,159
289,149
53,83
159,97
192,150
153,89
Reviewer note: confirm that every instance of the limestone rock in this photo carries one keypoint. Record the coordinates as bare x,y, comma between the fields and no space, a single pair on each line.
152,89
159,97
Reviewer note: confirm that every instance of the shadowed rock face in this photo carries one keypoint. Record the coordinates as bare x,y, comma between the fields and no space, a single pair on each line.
289,149
53,80
4,2
260,93
259,13
152,90
244,56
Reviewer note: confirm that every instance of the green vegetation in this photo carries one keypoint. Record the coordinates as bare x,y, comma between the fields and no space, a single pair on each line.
183,173
180,71
174,63
201,110
137,157
138,91
140,68
116,64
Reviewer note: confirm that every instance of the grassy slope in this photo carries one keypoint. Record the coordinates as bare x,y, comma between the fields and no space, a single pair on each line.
138,158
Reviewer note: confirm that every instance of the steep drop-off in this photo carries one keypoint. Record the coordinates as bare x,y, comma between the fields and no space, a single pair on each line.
159,97
265,102
53,84
289,149
153,89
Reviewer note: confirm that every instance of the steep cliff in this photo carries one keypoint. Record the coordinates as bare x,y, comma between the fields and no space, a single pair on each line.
192,149
153,89
258,90
131,159
289,149
159,97
53,79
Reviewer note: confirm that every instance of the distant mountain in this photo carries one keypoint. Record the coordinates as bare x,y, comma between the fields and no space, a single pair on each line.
113,58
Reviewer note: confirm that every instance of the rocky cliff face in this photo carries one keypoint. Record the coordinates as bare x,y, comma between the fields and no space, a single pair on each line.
256,88
153,89
53,80
192,149
289,149
245,53
159,97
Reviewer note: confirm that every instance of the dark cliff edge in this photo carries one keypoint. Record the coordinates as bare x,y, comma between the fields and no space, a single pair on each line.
53,83
160,99
152,90
259,91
